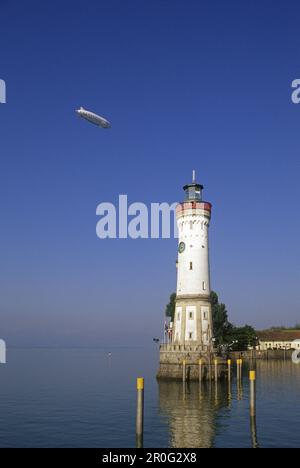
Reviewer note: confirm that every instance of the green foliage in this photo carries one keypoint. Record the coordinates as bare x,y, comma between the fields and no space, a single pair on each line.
221,326
283,328
240,338
170,307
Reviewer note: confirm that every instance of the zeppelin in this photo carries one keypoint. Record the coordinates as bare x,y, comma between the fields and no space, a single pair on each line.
93,118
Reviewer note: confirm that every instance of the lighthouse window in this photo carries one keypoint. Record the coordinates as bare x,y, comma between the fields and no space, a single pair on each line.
190,335
178,315
191,265
203,285
191,315
191,224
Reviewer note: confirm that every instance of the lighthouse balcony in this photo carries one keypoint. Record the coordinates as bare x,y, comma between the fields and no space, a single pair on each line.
196,348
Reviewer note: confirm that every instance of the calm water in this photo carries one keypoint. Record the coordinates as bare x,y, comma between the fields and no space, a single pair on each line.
83,398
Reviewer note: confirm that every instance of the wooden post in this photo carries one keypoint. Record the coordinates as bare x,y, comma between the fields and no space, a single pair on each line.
183,370
216,370
252,378
229,368
140,411
238,369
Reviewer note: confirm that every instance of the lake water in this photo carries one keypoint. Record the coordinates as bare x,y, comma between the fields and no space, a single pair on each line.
84,398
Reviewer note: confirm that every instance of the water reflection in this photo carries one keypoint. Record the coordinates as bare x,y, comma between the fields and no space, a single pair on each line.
240,389
191,410
229,392
278,371
253,430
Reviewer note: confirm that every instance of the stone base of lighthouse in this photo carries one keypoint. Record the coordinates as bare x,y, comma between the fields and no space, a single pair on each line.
193,321
191,342
172,356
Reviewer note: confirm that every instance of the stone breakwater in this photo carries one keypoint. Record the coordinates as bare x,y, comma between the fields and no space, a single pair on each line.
171,358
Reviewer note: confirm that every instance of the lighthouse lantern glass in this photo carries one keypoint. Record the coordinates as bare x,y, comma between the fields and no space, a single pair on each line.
193,192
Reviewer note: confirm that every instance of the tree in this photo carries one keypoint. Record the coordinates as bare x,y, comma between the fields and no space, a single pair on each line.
170,307
242,338
221,326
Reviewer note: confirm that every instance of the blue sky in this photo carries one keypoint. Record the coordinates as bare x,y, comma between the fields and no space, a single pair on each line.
186,84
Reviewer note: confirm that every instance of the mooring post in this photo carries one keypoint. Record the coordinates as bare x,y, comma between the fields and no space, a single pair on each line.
241,368
229,368
252,378
140,411
183,371
200,370
216,370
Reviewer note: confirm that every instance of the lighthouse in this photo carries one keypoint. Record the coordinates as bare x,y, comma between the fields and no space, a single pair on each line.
190,354
193,317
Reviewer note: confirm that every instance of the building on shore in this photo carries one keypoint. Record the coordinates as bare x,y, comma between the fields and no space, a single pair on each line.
278,339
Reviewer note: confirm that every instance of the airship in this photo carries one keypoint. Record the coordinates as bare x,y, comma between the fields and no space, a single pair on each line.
93,118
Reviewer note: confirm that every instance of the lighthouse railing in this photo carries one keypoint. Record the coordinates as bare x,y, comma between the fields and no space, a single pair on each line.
183,347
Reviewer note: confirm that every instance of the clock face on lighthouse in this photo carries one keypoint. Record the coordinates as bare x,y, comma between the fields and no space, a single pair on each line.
181,247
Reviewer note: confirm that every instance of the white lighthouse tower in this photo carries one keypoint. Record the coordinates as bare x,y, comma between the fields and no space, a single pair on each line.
193,318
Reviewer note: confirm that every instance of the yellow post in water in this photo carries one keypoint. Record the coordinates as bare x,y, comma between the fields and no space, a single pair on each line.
140,411
229,368
252,378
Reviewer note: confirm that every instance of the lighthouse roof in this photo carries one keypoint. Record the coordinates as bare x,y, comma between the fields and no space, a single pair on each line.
193,191
196,185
